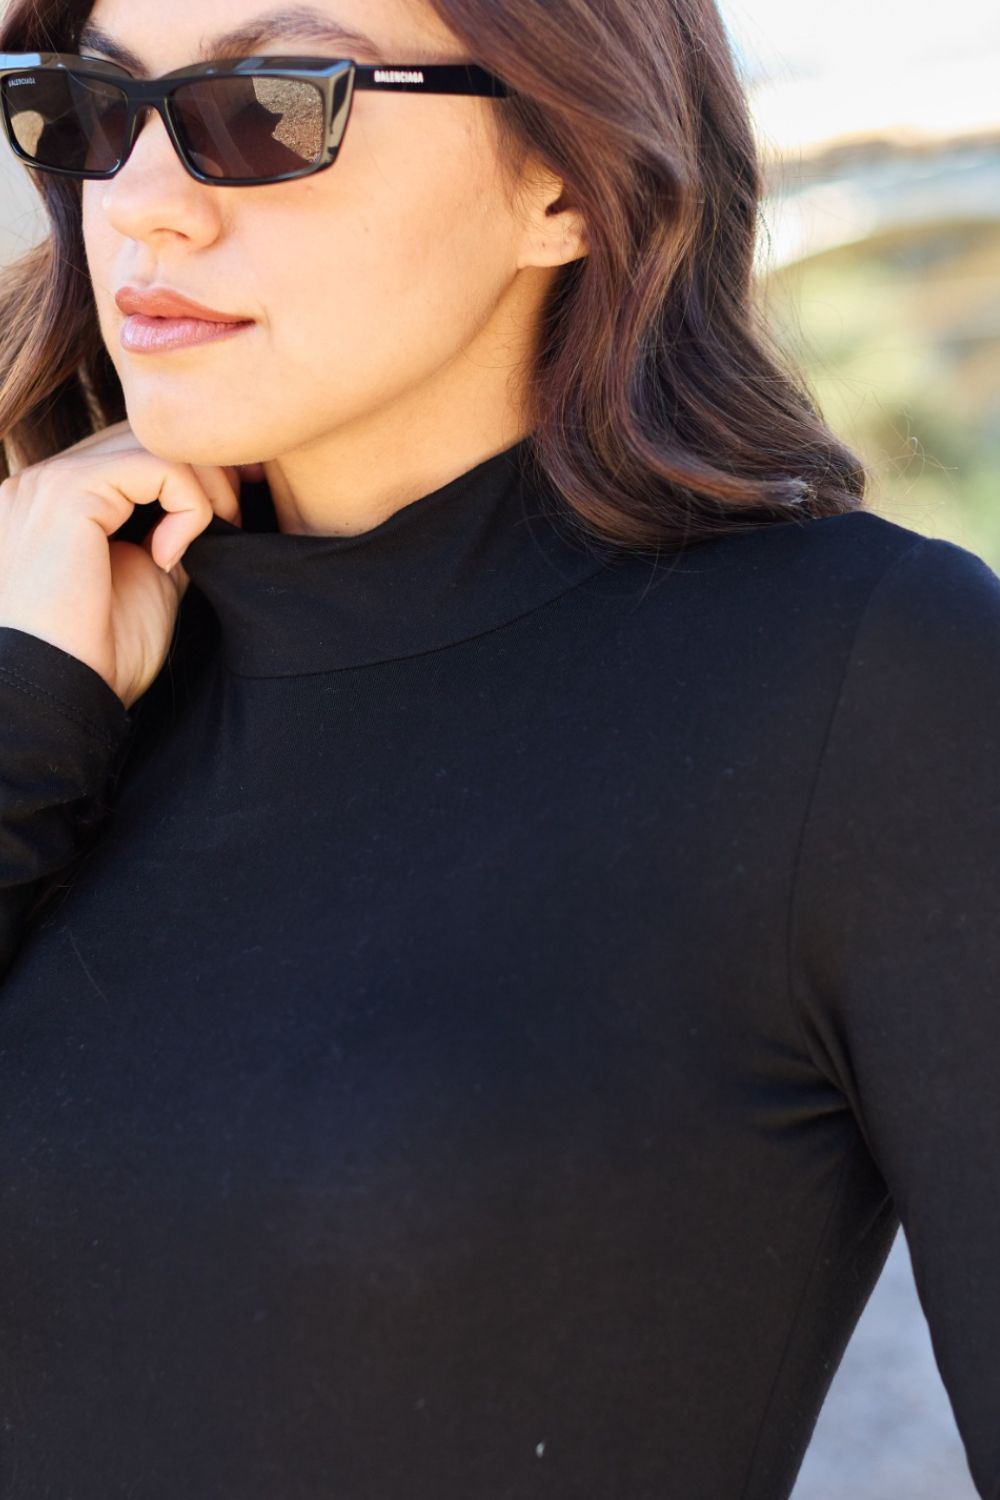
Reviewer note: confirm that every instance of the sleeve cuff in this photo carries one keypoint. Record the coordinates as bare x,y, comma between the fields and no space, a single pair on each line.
64,684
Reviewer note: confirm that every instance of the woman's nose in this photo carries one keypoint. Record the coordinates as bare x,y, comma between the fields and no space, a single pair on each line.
153,189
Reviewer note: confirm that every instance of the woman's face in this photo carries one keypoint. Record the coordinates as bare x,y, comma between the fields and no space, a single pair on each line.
393,295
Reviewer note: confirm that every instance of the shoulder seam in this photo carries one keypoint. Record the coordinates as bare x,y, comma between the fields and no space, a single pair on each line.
797,860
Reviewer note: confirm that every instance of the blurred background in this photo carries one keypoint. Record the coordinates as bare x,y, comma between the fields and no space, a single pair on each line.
880,126
879,264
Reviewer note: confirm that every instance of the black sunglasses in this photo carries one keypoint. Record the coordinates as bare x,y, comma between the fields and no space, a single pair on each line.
238,123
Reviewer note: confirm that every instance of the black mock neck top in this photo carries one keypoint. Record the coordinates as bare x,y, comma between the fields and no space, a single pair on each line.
468,558
473,1030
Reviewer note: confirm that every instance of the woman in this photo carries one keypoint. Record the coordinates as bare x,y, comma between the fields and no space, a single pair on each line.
500,847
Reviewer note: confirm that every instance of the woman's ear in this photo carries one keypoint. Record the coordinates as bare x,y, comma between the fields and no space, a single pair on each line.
554,233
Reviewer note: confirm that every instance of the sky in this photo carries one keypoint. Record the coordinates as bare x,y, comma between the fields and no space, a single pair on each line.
786,38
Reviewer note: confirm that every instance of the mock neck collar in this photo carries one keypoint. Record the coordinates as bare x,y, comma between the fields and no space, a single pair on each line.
474,554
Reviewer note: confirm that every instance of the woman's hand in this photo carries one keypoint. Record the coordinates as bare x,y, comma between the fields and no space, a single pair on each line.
112,604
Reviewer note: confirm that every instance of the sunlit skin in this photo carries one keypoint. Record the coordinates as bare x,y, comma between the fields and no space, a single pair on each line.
396,295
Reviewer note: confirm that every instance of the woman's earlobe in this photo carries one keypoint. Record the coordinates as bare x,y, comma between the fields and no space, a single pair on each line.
575,243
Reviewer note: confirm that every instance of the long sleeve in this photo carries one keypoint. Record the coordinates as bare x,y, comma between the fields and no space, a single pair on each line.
63,730
895,945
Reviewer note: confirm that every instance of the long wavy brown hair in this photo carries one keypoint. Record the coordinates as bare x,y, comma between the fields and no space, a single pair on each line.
666,408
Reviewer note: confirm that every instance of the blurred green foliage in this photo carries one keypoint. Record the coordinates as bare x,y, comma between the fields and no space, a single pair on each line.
899,339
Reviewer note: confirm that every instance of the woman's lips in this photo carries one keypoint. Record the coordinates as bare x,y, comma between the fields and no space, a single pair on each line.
144,335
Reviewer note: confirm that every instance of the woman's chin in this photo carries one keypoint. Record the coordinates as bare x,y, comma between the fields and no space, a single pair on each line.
170,443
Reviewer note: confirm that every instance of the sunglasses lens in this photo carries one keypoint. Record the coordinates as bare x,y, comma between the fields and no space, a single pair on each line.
252,126
68,120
